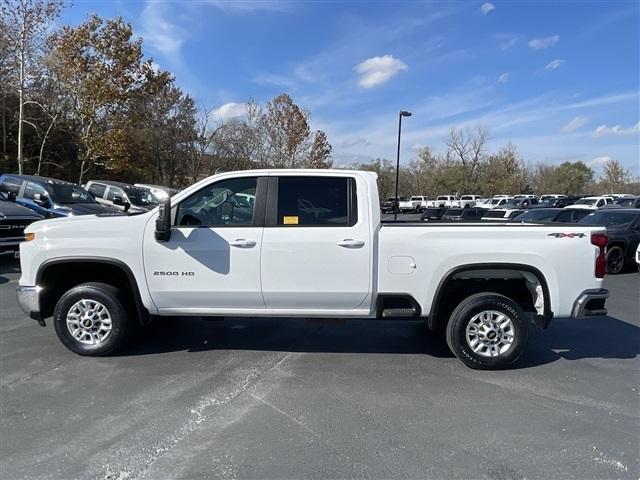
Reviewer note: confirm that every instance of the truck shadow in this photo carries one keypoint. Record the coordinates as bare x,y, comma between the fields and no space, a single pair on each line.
598,337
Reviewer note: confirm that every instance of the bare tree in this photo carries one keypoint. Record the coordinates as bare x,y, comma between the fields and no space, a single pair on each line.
468,148
25,23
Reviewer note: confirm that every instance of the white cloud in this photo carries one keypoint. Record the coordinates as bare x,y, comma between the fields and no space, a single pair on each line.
229,111
249,6
270,79
504,78
378,70
574,124
541,43
158,31
487,7
599,161
618,130
554,64
506,40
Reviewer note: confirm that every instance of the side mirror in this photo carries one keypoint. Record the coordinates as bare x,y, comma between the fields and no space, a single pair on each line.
118,201
41,200
163,223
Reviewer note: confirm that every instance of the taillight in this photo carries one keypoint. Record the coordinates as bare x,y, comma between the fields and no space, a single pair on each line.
600,240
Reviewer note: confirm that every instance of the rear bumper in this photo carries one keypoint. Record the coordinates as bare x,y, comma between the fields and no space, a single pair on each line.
29,301
590,303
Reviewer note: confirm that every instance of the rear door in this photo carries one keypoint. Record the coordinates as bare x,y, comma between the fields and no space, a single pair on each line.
316,247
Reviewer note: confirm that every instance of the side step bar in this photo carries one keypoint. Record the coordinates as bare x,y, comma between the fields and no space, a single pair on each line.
399,312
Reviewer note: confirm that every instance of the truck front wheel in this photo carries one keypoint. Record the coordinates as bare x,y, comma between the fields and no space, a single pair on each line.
487,331
90,319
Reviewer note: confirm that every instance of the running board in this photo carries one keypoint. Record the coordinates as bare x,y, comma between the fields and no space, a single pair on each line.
399,312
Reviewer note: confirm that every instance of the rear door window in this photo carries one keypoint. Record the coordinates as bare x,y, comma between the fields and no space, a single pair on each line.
97,189
11,185
115,192
316,201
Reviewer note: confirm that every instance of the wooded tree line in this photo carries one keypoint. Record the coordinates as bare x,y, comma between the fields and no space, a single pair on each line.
468,167
83,101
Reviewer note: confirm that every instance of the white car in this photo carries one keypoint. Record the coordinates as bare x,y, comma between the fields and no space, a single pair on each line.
638,257
444,201
551,197
311,245
467,201
414,204
495,202
405,205
591,203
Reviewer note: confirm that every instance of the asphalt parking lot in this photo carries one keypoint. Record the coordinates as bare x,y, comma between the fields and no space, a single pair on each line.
272,398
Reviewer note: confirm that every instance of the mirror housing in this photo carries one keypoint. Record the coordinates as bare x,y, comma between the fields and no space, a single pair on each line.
121,203
163,222
40,200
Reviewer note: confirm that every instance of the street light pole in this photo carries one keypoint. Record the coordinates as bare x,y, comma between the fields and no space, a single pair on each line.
403,113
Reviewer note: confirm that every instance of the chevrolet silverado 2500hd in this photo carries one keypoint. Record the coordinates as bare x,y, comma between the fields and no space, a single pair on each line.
303,243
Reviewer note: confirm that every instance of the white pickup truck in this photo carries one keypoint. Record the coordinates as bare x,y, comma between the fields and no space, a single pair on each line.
311,244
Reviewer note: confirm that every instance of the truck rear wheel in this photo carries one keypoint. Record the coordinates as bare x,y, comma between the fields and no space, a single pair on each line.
487,331
91,319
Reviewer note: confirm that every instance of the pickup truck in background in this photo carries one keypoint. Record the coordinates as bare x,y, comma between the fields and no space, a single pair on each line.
313,246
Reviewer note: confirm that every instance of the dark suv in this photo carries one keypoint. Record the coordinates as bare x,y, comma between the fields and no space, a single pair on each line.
623,232
50,197
13,220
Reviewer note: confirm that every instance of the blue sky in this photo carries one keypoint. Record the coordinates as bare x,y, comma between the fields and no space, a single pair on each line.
558,79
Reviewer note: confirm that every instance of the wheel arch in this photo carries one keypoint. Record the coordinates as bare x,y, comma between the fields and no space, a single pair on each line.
100,266
493,271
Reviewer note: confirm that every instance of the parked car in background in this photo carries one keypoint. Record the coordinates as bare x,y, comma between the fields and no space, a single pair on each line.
623,234
535,215
501,214
638,257
592,203
158,191
121,195
13,220
550,215
432,214
50,197
467,201
571,215
484,203
496,202
419,202
390,205
553,201
467,214
444,201
411,204
624,202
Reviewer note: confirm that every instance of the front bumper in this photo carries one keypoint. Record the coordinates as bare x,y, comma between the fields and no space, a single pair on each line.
29,301
590,303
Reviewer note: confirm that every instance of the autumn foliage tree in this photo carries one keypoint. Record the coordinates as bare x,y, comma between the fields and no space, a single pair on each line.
100,67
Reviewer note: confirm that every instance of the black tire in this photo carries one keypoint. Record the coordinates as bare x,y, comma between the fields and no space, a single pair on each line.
111,298
615,260
465,312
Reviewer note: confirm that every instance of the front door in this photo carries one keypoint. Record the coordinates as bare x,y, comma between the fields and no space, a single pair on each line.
212,260
316,248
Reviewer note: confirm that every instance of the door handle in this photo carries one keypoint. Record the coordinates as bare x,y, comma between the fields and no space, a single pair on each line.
242,243
351,243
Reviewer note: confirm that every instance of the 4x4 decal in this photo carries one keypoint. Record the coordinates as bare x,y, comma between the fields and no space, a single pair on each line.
566,235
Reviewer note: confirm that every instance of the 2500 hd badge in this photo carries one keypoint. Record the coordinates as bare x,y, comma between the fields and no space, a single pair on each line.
175,274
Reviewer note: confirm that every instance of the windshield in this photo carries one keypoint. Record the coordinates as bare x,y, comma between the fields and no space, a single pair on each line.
608,218
513,203
443,198
416,198
67,193
587,201
496,201
141,197
466,197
